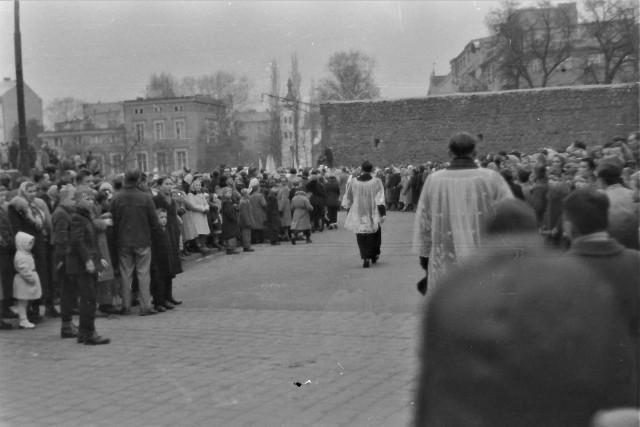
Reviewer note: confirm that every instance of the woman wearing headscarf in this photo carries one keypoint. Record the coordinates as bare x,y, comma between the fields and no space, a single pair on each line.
258,210
284,205
273,216
300,220
196,226
30,217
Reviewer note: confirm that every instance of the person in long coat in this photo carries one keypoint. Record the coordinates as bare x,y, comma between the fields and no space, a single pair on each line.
246,221
332,200
284,205
274,222
229,221
258,206
407,191
196,225
165,200
317,201
393,190
301,219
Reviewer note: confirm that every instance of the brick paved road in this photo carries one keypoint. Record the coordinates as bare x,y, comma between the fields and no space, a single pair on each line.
251,326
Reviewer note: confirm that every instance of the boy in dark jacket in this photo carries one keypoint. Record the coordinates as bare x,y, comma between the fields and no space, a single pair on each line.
161,266
83,263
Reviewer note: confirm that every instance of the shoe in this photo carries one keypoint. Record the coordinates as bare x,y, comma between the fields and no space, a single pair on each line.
168,306
51,311
35,319
93,339
293,240
374,259
68,330
159,308
5,326
365,264
205,252
25,324
232,252
309,241
135,303
9,314
149,312
275,243
125,312
174,302
109,309
248,250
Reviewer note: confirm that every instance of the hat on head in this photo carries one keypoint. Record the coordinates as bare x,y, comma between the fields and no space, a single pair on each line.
106,186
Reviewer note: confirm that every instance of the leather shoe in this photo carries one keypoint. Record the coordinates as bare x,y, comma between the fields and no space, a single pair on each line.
159,308
248,250
174,302
68,330
365,264
149,312
9,314
51,312
5,326
374,260
232,253
92,339
167,306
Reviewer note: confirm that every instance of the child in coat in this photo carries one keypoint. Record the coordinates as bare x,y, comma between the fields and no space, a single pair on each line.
26,282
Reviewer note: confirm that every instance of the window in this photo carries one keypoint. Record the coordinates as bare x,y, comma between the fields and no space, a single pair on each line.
138,111
57,142
157,109
139,131
177,108
159,130
179,125
161,162
286,135
182,160
141,162
117,165
78,140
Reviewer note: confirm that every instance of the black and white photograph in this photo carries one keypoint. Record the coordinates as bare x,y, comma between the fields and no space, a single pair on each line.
329,213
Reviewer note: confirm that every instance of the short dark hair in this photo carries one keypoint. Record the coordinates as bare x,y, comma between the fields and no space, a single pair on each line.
367,166
293,171
610,173
523,175
589,161
587,210
132,176
462,144
161,210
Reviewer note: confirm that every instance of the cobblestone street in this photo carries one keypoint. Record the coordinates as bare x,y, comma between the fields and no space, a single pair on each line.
232,354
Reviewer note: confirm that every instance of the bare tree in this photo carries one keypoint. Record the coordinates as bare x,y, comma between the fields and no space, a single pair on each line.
64,110
351,78
613,25
162,85
531,42
296,80
275,144
219,85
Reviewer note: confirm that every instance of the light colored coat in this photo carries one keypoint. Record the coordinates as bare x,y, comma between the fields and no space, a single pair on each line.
301,206
26,283
258,206
284,206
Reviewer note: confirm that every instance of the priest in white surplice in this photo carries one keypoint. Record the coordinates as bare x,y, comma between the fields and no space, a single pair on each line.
365,201
454,204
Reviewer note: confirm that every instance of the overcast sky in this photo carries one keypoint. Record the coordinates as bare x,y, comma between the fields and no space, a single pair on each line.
105,51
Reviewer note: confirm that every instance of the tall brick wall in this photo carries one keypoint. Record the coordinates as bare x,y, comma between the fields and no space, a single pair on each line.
416,130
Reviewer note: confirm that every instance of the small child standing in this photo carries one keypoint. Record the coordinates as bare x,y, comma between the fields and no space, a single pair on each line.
162,269
26,282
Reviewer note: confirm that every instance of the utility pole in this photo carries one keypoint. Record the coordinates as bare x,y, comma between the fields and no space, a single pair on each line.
23,157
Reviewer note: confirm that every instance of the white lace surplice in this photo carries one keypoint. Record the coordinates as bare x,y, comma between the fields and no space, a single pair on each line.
453,206
362,200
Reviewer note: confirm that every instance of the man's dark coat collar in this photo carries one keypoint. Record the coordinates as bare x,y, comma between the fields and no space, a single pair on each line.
364,176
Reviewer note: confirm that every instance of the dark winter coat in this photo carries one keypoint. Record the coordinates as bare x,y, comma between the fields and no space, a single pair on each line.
161,254
134,217
273,212
246,217
332,192
230,227
83,242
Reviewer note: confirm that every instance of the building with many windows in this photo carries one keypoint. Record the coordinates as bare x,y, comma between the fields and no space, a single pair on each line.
170,134
478,67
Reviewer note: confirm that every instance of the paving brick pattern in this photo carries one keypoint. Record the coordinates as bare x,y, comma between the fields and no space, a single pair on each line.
215,367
